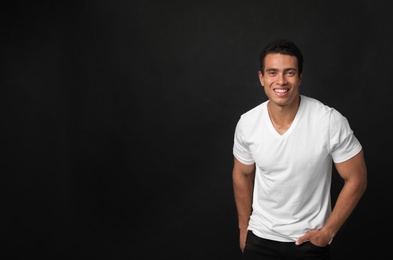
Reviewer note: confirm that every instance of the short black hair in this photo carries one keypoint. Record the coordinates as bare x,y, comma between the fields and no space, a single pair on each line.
282,46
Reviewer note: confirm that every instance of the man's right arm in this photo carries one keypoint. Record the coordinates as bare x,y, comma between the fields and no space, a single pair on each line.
243,184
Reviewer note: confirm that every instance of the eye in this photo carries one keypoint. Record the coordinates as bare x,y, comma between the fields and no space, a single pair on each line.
272,73
291,73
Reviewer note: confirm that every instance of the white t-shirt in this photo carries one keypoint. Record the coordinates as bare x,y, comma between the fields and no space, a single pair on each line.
293,170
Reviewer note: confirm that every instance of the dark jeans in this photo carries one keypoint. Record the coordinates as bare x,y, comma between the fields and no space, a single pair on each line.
264,249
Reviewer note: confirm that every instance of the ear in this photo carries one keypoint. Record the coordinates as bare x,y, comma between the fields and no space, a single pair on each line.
260,77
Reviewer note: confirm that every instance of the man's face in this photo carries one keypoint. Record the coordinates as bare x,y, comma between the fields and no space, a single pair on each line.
281,79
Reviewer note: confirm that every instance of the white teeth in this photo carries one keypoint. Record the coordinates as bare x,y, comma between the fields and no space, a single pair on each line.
281,90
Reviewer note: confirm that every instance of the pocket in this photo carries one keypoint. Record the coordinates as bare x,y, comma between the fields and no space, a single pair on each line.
312,246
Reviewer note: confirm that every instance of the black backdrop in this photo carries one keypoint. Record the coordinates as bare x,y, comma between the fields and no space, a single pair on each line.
118,119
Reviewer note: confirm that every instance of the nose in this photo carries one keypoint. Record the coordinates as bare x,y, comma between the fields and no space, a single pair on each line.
282,80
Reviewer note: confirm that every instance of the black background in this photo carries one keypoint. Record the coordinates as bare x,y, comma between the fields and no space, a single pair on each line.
118,120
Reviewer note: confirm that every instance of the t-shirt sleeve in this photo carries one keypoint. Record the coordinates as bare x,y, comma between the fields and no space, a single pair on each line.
240,148
343,143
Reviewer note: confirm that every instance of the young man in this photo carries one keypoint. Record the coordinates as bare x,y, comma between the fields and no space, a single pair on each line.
284,150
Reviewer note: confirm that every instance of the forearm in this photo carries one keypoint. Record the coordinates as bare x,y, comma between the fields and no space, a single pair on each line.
243,189
354,174
346,202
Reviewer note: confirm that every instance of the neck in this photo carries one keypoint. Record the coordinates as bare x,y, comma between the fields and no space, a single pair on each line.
283,116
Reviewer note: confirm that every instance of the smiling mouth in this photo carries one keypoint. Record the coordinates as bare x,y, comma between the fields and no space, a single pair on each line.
280,90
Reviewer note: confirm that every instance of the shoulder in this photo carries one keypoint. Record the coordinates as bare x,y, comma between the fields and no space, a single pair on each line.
250,120
313,102
254,112
316,106
323,113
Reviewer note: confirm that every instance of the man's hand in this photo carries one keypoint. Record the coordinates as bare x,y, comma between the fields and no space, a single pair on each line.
316,237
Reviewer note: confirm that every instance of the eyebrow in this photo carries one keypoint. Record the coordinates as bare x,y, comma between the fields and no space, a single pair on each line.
286,69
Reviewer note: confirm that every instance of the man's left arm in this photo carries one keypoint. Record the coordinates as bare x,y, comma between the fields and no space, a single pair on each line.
354,174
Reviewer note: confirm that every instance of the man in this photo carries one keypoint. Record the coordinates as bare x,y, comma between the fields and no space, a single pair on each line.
284,150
